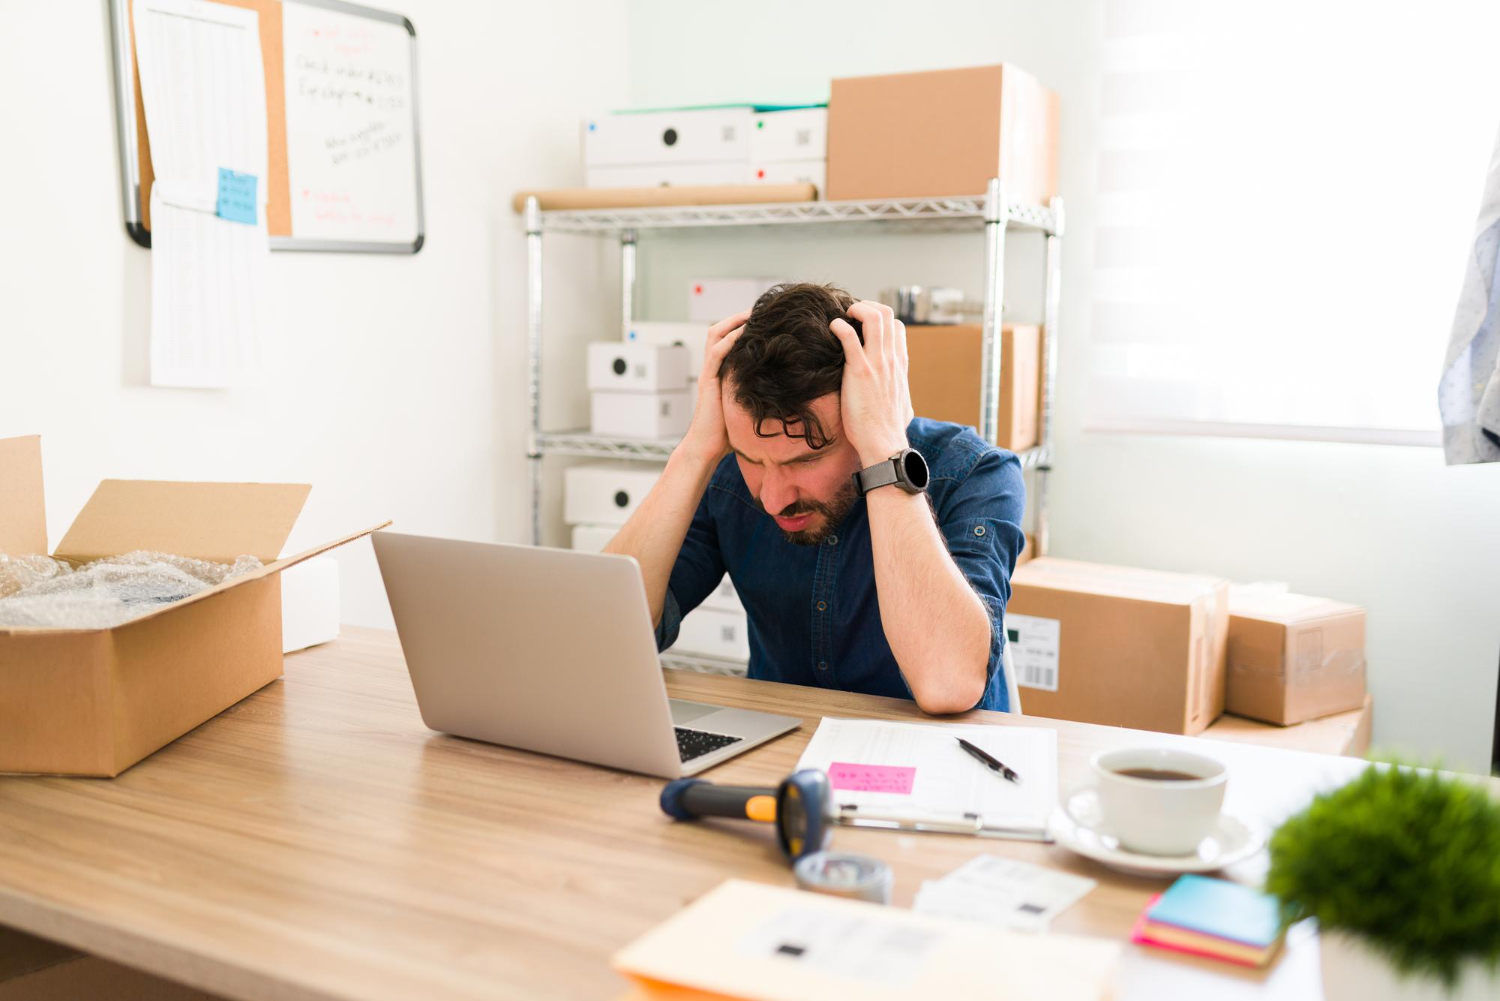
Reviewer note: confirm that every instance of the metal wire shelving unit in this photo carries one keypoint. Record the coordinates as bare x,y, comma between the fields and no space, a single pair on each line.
990,213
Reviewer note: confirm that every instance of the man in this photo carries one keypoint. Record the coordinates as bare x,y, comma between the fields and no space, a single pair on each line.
872,551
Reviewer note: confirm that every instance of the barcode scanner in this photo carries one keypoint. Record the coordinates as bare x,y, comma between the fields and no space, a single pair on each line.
800,807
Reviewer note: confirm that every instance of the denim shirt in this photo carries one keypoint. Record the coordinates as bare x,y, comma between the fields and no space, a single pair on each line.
812,610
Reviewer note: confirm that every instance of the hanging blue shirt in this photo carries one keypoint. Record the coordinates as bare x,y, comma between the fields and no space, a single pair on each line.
812,610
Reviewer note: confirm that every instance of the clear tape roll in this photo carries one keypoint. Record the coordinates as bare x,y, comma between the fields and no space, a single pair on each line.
841,874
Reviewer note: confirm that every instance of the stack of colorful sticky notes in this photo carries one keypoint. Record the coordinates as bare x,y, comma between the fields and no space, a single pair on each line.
1214,918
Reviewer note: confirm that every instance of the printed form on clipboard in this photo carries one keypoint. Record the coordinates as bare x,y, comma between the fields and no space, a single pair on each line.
915,776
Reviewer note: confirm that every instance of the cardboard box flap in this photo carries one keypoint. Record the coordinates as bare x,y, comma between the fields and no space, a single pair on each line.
208,521
23,511
308,554
1116,581
1287,609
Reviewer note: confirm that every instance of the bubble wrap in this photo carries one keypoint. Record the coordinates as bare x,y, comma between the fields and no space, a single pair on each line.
106,592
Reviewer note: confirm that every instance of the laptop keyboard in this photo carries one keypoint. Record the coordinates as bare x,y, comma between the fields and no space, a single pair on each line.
696,743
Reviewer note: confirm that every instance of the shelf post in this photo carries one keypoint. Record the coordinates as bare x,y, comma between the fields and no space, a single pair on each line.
1049,372
534,361
627,280
994,296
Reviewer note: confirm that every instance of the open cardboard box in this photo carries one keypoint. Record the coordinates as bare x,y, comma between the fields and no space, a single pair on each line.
96,701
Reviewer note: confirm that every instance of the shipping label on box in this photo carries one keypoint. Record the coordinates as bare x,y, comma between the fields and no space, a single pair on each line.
712,299
657,416
666,175
794,134
605,493
1034,646
703,135
619,366
693,336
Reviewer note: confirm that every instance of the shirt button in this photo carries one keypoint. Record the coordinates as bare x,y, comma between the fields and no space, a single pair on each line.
822,665
979,531
833,540
822,606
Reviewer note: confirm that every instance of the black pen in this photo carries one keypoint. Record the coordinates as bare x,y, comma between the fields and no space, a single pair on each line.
989,761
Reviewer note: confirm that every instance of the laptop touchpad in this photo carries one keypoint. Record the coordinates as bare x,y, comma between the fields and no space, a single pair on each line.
686,712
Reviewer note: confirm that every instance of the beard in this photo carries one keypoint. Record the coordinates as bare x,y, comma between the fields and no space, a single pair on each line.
833,512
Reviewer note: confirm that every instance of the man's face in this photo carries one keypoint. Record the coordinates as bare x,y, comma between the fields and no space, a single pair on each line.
807,491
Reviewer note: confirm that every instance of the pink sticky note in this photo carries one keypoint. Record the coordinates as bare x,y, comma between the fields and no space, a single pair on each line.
871,778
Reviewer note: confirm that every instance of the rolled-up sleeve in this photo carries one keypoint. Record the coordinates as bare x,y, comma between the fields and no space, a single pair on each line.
980,518
698,570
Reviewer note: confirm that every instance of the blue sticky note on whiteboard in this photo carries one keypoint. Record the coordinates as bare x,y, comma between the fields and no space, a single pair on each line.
236,196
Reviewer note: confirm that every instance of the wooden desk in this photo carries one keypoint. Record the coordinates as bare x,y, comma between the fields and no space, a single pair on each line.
317,841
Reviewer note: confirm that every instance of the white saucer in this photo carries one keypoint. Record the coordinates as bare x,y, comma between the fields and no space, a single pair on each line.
1075,826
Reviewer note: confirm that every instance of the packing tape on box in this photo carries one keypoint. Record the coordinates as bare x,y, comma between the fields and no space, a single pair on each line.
841,874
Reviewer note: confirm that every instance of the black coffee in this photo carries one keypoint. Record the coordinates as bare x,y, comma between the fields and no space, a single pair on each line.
1157,774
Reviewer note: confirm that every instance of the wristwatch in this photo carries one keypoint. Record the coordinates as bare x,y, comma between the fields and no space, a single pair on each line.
906,469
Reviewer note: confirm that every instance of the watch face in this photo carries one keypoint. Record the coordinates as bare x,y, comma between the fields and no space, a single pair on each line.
915,468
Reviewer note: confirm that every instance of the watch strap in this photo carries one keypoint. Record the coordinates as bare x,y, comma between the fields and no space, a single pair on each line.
879,475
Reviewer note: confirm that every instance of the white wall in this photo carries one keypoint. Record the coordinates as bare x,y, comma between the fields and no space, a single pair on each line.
401,389
1389,528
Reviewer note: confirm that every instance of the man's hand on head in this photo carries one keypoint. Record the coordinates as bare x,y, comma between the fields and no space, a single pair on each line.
706,437
875,401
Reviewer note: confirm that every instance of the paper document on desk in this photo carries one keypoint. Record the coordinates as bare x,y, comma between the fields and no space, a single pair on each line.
916,775
203,88
1003,892
773,943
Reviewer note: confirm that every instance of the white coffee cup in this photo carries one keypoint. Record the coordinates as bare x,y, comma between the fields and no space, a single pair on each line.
1157,815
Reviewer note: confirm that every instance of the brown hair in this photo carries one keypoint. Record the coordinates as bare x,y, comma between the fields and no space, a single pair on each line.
786,358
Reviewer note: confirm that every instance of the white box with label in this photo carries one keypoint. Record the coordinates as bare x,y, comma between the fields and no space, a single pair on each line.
724,597
593,538
605,493
309,603
814,172
619,366
665,175
701,135
794,134
714,633
712,299
693,336
658,415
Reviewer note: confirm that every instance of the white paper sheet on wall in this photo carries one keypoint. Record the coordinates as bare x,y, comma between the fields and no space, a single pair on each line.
203,87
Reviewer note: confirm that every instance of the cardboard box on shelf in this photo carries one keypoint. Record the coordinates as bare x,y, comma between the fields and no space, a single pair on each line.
593,538
698,135
945,367
1118,645
605,493
666,175
714,632
650,416
693,336
96,701
1293,657
792,134
712,299
724,597
310,604
814,172
619,366
1346,733
954,129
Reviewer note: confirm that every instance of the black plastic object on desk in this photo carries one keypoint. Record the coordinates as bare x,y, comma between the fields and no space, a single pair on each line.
800,807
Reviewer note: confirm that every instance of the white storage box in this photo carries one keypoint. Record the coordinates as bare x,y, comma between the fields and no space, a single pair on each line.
619,366
796,134
309,603
814,172
605,493
724,597
714,633
662,414
665,175
712,299
693,336
704,135
593,538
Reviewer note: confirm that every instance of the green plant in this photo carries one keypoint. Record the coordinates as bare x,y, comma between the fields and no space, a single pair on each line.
1406,860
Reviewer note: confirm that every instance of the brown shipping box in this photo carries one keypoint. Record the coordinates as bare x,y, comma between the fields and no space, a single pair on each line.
945,365
1293,657
945,132
1117,645
96,701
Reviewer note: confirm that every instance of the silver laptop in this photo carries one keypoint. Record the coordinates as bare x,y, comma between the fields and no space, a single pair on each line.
553,651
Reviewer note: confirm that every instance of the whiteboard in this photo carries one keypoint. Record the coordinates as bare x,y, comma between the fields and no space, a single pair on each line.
351,128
